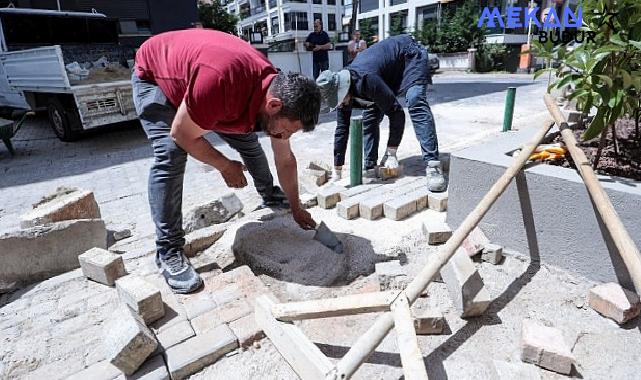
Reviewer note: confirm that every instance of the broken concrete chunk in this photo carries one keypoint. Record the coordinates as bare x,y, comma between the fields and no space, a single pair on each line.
194,354
492,253
614,302
102,266
329,196
69,204
317,177
203,238
217,211
42,252
436,232
512,371
142,297
465,285
122,234
391,275
127,340
545,347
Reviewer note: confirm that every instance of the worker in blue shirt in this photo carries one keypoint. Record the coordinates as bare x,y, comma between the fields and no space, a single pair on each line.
395,66
318,42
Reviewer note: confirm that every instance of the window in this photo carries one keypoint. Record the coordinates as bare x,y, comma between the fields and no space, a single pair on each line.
275,25
296,21
331,21
318,16
368,5
331,2
318,1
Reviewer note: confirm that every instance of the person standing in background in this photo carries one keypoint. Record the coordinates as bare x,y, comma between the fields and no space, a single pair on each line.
318,42
355,46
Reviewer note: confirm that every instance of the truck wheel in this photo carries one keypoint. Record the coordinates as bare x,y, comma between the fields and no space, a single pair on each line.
64,120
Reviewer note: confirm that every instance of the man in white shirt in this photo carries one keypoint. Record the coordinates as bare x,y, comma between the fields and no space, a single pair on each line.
355,46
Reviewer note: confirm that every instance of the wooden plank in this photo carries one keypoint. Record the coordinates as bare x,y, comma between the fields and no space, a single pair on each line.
411,357
303,356
335,307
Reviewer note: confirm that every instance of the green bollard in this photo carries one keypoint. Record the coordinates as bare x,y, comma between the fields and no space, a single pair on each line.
356,151
509,109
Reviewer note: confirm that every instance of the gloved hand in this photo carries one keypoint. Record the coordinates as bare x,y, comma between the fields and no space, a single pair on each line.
389,160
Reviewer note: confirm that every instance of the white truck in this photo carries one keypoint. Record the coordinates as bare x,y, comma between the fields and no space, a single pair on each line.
48,62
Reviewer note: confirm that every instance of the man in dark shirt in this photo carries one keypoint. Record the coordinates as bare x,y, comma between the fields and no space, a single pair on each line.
318,42
191,82
392,67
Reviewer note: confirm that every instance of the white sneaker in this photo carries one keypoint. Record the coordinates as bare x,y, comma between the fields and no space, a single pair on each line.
337,175
435,179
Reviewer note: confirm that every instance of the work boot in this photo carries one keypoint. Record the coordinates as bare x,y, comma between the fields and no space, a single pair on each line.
275,199
435,179
180,275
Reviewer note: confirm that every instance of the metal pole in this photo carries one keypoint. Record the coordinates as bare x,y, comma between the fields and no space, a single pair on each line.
356,151
509,109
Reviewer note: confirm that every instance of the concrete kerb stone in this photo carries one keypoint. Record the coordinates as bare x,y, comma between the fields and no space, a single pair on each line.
65,204
142,297
545,347
102,266
42,252
614,302
436,232
194,354
127,340
465,285
214,212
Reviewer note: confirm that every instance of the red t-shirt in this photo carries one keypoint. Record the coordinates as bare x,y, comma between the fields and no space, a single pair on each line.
221,78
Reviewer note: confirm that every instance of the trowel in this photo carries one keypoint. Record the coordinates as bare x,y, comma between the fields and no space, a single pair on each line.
327,238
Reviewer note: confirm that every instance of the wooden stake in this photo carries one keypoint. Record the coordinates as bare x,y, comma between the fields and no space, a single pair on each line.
411,357
335,307
622,240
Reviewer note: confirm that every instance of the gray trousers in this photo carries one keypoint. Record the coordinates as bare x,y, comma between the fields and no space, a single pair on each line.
165,185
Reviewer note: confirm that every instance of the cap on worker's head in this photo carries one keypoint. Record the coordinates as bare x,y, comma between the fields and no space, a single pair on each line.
334,86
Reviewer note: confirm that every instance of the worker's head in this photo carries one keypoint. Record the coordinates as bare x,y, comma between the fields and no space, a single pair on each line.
356,35
318,25
292,104
334,88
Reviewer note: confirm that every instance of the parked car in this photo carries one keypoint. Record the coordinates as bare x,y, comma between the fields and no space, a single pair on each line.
435,64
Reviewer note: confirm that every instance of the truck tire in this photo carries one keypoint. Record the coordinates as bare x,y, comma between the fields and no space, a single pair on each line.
64,120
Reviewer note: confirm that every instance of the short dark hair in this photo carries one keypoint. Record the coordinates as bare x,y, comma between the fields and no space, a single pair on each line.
300,96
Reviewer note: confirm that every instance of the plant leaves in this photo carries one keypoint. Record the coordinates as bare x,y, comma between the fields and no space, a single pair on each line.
606,79
597,124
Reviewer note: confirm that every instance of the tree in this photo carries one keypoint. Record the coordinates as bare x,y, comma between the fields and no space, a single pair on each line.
365,27
214,16
458,29
397,26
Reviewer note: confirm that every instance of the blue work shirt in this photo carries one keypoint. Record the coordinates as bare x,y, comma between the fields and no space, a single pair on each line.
318,39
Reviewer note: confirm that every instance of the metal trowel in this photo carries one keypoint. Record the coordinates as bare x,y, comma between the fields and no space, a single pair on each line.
327,238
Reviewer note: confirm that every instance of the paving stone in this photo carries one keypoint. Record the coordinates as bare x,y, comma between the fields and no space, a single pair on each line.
317,177
320,165
511,371
391,275
308,200
224,314
122,234
142,297
372,207
465,285
153,369
405,205
200,351
436,232
614,302
437,201
474,242
492,253
545,347
246,330
198,304
55,370
42,252
175,334
428,321
127,340
328,196
102,266
102,370
227,294
357,190
348,208
217,211
203,238
65,204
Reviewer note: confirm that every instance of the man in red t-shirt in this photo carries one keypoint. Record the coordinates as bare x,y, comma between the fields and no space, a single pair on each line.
191,82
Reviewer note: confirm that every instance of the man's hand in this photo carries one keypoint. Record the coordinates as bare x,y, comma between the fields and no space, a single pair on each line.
317,48
233,174
303,218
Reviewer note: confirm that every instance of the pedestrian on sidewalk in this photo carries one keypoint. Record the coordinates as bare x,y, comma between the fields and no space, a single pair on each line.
191,82
355,46
393,67
319,43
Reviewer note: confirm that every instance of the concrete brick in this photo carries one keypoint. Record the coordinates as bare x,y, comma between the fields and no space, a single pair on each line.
197,304
122,234
127,340
465,285
511,371
214,212
387,173
152,369
320,165
614,302
372,207
317,177
66,204
308,200
545,347
492,253
391,275
474,242
328,196
142,297
246,330
200,351
357,190
102,370
428,321
203,238
437,201
174,313
102,266
175,334
224,314
348,208
42,252
403,206
436,232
